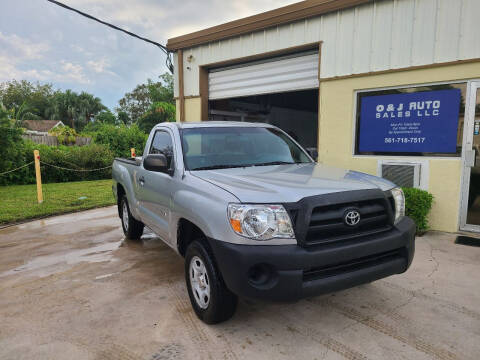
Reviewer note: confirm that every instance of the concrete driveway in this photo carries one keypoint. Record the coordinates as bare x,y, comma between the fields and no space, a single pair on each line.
72,288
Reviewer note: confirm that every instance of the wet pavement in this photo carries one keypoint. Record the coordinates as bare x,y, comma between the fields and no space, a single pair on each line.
71,287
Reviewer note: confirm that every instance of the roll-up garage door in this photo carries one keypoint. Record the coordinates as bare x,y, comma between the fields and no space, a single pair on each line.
289,73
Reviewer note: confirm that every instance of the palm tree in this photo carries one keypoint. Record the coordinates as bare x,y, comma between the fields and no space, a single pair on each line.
22,112
88,107
64,106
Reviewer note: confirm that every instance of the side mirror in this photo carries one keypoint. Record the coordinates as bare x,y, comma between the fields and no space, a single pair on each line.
157,163
313,152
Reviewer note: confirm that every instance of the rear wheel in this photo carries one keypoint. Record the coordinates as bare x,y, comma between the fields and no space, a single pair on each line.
132,228
210,298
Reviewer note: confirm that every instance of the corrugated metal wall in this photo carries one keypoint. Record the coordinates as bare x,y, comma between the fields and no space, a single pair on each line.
385,34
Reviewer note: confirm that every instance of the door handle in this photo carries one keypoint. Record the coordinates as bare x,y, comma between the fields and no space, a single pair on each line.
141,180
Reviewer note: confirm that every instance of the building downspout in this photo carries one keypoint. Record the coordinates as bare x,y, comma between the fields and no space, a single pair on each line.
181,93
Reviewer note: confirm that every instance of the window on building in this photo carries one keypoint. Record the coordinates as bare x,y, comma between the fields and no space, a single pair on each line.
413,121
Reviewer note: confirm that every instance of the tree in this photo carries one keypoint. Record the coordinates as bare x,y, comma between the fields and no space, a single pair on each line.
106,117
162,91
15,94
123,118
138,101
88,106
23,112
76,110
64,106
157,113
34,101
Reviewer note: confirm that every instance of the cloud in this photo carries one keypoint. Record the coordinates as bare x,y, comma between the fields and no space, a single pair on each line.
22,47
9,71
44,42
101,66
73,72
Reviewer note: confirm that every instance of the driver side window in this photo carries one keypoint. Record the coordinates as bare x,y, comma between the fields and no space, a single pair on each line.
162,144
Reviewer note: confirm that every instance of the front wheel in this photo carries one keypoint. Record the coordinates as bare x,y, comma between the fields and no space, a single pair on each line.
211,300
132,228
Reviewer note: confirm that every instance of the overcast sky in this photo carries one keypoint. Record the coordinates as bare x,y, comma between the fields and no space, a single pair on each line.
41,41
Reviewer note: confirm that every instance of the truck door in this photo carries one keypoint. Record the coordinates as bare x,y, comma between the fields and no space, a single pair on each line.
154,188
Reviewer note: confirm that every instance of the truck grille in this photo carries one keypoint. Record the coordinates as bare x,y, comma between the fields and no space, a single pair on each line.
321,219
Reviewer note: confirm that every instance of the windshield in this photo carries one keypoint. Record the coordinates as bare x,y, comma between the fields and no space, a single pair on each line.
227,147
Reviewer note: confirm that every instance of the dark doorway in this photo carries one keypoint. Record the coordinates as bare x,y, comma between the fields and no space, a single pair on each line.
294,112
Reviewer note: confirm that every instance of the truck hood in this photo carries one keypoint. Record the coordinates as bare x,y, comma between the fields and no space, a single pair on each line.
289,183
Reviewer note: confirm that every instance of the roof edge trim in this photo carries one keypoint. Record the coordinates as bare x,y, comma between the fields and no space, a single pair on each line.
298,11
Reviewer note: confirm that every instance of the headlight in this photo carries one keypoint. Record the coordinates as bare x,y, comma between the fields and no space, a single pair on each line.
399,199
260,222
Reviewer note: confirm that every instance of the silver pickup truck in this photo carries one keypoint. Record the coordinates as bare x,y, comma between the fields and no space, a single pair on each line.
255,216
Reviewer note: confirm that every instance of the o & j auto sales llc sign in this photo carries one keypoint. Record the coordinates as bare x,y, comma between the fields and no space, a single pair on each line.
410,122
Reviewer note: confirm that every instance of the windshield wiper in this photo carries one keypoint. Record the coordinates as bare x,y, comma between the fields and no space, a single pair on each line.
274,163
213,167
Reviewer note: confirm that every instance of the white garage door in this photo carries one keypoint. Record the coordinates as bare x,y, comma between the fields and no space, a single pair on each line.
289,73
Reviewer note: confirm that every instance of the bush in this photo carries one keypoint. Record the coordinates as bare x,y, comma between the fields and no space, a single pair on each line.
417,206
92,156
10,137
65,134
119,139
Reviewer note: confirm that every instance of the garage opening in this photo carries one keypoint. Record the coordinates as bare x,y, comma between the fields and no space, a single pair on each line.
282,91
294,112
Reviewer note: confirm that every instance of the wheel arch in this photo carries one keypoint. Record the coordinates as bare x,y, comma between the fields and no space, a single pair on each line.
120,192
187,232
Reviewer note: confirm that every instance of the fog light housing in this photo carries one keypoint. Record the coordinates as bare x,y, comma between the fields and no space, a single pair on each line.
262,276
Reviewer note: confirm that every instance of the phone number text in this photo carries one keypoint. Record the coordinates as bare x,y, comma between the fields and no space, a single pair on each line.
405,140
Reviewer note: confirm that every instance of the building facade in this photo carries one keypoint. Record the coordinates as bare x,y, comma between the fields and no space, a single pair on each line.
387,87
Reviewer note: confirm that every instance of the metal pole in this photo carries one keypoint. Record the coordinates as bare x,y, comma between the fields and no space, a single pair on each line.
36,156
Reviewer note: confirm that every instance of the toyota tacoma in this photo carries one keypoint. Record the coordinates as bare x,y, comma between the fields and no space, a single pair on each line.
255,216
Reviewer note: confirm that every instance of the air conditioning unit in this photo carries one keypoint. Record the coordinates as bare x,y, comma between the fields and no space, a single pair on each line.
404,174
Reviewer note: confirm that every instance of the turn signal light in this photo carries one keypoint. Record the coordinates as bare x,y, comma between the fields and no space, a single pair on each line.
236,225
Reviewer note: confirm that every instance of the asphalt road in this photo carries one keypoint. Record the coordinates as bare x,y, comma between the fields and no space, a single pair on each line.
71,287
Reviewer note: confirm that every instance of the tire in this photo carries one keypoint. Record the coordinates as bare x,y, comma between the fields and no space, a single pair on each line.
221,303
133,229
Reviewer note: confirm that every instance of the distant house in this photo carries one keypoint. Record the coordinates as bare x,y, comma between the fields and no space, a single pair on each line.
40,127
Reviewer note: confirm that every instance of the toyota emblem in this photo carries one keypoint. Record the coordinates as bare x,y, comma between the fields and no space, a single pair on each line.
352,217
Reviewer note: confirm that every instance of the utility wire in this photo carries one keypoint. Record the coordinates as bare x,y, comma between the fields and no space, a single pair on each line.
162,47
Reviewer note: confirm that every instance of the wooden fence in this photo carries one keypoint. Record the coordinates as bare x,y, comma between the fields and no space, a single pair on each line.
53,141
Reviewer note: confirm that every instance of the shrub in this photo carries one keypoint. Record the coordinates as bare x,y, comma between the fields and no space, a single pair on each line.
10,137
120,139
92,156
417,206
65,134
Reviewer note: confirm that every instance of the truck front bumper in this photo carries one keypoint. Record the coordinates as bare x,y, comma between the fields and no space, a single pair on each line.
291,272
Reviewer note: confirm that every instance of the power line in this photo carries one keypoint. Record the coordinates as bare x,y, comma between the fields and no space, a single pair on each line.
162,47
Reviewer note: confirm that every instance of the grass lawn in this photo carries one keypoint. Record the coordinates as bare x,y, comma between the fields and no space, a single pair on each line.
19,202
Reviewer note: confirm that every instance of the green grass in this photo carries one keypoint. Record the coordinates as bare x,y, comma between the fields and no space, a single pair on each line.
19,202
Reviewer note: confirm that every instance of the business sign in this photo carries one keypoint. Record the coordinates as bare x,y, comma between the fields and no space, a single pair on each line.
410,122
